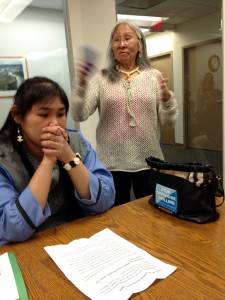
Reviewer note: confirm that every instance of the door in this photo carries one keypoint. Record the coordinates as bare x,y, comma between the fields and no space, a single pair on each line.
203,96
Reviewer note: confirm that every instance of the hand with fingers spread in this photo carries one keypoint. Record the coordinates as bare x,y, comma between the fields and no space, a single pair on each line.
165,94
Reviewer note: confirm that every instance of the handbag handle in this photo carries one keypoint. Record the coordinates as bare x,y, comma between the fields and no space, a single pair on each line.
220,191
157,163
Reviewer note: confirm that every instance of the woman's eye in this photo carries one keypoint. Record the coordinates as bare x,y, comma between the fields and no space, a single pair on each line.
61,115
43,115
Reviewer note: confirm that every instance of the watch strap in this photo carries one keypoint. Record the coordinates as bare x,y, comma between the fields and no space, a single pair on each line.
73,163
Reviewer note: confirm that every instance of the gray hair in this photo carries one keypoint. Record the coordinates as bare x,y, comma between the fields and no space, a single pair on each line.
142,59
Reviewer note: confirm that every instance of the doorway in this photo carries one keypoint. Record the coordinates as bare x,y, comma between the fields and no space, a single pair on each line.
202,97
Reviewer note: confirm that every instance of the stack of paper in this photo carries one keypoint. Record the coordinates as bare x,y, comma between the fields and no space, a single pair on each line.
12,286
106,266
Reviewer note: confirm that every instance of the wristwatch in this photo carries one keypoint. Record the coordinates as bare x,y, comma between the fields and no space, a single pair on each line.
73,163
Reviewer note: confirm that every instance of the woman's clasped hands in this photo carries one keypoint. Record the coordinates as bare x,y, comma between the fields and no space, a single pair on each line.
54,141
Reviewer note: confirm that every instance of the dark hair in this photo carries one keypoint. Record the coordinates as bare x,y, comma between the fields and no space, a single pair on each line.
30,92
142,59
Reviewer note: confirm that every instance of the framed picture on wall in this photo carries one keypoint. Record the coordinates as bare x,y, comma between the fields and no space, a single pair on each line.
13,71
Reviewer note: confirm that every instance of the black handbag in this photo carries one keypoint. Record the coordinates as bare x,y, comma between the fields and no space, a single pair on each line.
185,190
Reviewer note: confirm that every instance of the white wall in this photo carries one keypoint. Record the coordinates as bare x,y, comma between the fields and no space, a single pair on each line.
187,34
90,22
39,35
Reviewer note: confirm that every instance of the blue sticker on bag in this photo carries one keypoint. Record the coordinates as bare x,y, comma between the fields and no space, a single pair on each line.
166,197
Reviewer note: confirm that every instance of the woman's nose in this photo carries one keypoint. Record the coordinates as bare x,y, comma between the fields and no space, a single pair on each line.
53,122
122,43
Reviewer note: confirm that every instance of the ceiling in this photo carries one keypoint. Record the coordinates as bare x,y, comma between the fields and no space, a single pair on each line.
178,11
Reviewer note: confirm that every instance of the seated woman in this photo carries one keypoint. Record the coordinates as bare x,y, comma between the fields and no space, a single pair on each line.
48,175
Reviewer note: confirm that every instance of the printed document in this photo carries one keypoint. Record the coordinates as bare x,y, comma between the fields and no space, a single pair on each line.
106,266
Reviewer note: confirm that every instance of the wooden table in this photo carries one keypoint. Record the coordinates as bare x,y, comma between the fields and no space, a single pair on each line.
198,252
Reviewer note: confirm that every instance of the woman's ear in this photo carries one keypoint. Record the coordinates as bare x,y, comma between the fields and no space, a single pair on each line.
15,114
139,46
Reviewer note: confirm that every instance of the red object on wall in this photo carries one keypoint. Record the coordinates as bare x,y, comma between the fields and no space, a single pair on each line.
157,26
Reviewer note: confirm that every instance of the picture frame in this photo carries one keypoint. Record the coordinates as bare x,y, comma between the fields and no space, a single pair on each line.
13,71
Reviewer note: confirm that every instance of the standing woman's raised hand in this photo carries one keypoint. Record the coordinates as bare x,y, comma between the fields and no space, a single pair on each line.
165,94
83,70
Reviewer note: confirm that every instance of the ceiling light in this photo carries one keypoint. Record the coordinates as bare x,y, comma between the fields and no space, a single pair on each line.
140,18
145,30
10,9
142,21
139,4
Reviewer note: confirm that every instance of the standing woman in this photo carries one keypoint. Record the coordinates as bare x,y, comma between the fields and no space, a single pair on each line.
48,175
133,100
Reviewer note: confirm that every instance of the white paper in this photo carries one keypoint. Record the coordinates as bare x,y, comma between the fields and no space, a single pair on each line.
8,288
89,54
107,266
